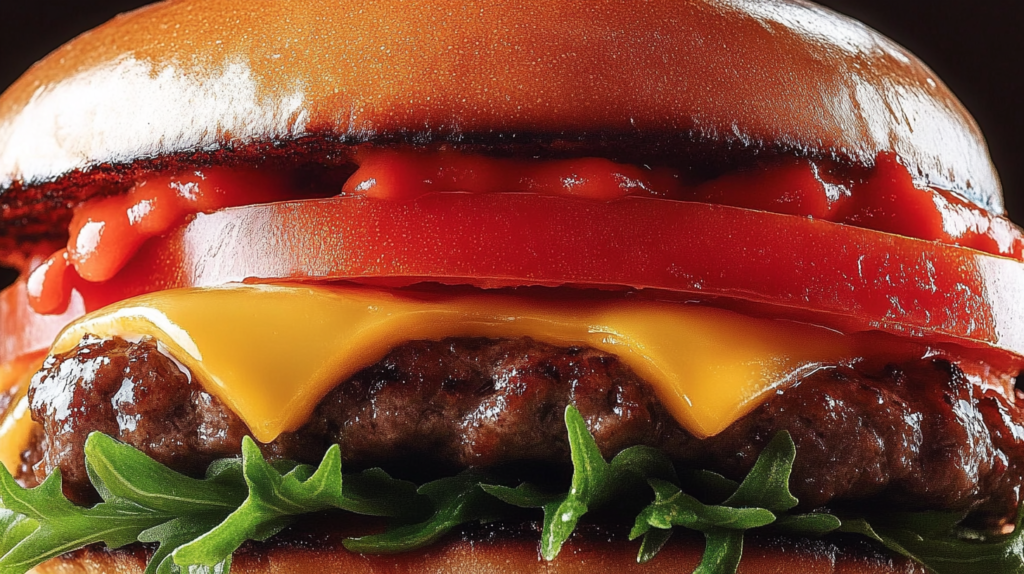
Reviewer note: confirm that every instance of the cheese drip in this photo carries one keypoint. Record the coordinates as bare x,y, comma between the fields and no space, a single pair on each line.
17,426
271,353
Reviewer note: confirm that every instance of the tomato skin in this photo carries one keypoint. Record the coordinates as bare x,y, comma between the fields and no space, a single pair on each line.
889,200
106,232
850,278
831,274
27,331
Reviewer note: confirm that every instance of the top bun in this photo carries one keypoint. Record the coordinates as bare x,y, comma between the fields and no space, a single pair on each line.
189,77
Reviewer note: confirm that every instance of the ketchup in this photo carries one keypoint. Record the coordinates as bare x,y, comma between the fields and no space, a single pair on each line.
889,201
792,187
883,198
106,232
398,174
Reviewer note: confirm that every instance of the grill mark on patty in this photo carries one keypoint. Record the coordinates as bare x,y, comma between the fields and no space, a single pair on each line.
915,436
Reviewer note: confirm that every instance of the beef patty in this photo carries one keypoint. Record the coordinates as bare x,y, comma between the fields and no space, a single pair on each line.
916,435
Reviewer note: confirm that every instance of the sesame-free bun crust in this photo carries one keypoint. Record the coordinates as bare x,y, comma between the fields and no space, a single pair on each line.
492,550
205,76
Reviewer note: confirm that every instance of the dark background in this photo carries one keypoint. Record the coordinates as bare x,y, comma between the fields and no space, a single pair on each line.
976,46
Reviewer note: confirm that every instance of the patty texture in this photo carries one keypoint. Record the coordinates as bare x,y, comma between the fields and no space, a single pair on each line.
915,436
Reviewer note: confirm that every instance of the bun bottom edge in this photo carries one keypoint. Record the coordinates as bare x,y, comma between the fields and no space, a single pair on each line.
499,550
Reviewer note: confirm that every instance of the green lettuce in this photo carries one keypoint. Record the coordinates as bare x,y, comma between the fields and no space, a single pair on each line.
196,525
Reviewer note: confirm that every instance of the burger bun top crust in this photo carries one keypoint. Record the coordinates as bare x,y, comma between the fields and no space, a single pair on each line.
669,77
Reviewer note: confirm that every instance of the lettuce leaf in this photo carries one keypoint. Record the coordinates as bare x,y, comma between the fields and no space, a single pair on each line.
197,523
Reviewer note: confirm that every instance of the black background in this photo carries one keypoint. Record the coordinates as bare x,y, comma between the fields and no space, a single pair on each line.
976,46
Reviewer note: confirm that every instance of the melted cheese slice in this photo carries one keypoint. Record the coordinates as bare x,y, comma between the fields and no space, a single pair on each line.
272,352
17,426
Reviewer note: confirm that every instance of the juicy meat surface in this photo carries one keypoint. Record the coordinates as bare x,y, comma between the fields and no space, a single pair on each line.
919,435
134,393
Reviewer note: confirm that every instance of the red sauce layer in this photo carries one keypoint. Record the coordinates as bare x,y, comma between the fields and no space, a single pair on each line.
883,198
105,233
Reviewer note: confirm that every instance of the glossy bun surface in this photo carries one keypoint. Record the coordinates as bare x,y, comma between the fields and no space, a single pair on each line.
189,76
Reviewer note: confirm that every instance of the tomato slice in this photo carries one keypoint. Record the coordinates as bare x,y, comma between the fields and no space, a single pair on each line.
24,330
851,278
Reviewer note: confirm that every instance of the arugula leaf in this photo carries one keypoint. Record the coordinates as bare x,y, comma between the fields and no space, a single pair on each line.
15,528
139,495
60,526
526,495
722,552
198,523
121,472
709,487
722,526
815,524
124,474
595,482
762,499
637,464
767,484
276,494
654,540
374,493
758,501
456,500
175,534
590,485
674,508
929,538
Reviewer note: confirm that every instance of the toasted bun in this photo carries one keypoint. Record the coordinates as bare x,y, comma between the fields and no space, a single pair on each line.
188,77
494,551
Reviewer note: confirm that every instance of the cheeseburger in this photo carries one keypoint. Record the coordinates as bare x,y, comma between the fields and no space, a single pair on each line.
705,286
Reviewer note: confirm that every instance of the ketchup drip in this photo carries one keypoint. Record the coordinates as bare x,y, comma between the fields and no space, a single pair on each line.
883,198
106,232
887,200
397,174
49,285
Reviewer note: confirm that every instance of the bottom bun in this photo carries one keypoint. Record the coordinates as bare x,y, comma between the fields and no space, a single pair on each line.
501,549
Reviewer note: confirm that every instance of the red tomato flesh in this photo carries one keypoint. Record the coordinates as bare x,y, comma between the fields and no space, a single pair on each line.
884,197
851,278
104,233
760,236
